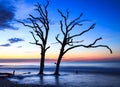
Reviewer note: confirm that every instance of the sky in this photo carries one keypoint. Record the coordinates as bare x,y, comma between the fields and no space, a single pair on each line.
15,38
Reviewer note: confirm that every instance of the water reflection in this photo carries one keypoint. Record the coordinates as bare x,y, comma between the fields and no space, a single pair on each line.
48,80
57,80
41,80
37,79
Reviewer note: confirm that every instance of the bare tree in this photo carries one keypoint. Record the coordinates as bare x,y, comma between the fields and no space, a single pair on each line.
68,39
40,26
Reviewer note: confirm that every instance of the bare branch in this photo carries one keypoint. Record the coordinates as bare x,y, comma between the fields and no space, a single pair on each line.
76,41
47,48
103,46
58,39
39,30
36,44
67,13
64,17
40,10
41,19
62,14
91,27
44,16
33,36
70,43
36,26
61,24
89,46
25,24
36,41
95,41
34,17
46,10
47,4
73,21
99,46
75,24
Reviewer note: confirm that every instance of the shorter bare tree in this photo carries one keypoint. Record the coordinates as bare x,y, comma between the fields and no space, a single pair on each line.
40,26
68,39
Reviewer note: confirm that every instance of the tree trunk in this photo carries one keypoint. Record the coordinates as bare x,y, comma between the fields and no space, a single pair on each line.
57,67
60,56
58,64
42,63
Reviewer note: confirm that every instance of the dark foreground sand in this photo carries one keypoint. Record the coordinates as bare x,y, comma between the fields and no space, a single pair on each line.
4,82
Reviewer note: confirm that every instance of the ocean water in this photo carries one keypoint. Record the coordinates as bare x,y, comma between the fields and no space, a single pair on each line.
66,67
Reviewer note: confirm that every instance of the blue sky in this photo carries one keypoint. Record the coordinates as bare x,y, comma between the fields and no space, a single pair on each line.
15,38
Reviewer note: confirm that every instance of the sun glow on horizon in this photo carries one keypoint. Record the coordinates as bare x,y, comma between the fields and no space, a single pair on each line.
78,54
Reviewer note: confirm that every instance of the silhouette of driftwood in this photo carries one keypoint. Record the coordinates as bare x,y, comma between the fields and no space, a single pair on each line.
68,39
4,75
40,26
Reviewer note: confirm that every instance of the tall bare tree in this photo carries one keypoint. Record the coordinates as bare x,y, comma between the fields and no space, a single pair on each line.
40,26
68,39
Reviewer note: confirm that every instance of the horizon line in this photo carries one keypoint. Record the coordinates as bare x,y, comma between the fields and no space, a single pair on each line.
5,60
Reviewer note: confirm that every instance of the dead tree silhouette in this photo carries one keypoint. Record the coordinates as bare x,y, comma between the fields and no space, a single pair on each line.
68,39
40,26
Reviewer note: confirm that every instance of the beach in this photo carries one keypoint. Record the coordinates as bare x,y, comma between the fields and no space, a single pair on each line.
71,75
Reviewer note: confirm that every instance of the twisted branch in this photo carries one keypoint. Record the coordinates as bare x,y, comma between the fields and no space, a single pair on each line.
90,46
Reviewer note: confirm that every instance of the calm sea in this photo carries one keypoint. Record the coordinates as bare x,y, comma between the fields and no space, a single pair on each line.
76,67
